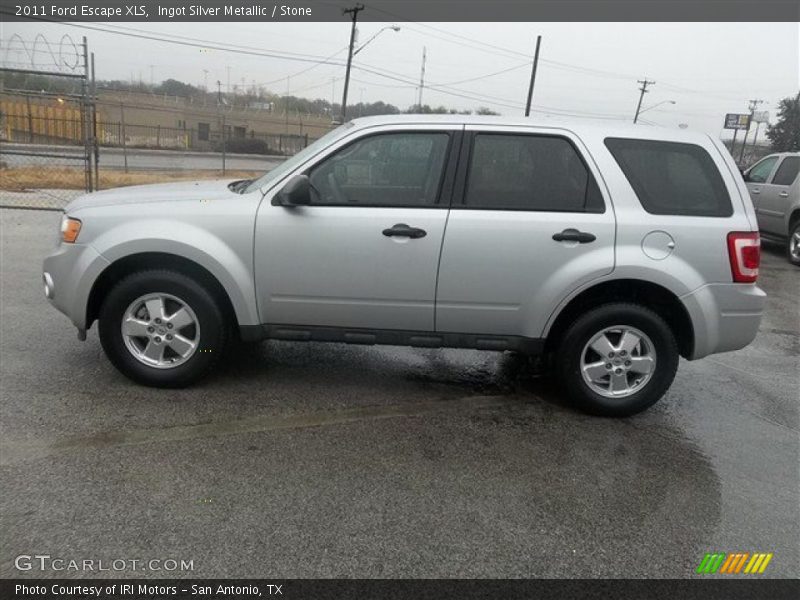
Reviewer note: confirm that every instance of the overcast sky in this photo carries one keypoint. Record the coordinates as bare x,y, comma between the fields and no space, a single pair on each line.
589,69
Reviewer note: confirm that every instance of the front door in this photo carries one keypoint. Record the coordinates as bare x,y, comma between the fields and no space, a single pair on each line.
529,223
775,196
757,178
365,253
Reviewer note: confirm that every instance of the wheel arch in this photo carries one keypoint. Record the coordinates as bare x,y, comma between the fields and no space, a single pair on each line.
141,261
651,295
794,217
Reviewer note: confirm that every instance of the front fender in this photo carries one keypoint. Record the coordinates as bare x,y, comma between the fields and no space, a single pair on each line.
229,262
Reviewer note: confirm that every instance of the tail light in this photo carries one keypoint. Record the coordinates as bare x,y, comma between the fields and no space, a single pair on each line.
744,252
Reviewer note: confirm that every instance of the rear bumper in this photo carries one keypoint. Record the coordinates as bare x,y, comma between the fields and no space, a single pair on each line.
725,316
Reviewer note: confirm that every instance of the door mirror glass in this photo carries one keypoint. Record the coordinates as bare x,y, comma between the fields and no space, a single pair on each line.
296,192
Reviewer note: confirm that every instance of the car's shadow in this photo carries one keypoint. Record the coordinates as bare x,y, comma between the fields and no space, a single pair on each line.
373,370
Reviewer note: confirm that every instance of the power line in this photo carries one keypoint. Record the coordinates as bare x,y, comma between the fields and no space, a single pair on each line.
210,45
320,60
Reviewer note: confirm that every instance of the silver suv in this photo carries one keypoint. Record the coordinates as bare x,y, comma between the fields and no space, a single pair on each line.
775,190
613,250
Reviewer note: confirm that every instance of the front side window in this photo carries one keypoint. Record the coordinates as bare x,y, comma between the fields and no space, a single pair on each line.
760,172
388,169
529,172
672,178
787,172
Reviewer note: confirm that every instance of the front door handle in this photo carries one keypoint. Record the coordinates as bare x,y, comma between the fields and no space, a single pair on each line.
403,230
573,235
755,191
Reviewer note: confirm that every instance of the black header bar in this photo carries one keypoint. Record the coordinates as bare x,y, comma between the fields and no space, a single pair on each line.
403,10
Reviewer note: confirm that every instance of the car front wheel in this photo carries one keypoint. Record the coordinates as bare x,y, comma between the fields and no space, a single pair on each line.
617,359
162,328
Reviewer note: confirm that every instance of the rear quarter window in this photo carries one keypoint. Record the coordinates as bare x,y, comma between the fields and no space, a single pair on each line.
672,178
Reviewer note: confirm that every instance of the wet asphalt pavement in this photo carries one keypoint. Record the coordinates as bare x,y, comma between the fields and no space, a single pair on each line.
314,460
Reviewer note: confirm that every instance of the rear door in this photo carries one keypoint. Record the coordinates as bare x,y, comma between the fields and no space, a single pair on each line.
528,224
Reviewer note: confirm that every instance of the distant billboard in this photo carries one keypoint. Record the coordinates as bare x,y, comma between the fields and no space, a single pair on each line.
761,116
737,121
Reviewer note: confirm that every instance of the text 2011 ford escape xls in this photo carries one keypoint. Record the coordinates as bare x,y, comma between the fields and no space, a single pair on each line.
613,249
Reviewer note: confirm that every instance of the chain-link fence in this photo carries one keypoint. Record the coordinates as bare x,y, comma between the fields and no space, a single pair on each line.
43,150
47,150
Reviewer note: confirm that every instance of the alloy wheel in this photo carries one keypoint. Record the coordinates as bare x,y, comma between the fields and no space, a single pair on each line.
160,330
618,361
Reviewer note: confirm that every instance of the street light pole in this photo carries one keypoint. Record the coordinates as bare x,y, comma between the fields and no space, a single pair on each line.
364,45
354,12
643,110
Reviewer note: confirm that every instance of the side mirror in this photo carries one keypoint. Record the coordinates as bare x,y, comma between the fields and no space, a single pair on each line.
745,176
297,192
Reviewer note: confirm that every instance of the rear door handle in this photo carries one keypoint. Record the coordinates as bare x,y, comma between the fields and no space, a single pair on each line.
784,194
755,191
573,235
403,230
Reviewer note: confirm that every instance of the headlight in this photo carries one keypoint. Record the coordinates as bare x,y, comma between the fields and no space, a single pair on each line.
70,228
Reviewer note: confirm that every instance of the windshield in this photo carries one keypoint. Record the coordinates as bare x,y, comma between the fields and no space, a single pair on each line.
294,161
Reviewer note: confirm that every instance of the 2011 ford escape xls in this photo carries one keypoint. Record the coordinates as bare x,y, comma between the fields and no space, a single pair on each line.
615,250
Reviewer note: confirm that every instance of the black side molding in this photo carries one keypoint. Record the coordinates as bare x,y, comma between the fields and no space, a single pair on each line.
391,337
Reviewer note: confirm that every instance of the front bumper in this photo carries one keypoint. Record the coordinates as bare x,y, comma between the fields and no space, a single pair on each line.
725,316
69,273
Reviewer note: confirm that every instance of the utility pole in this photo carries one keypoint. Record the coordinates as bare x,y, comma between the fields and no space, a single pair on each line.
152,82
752,106
228,86
533,76
205,80
286,102
422,78
645,82
354,13
221,122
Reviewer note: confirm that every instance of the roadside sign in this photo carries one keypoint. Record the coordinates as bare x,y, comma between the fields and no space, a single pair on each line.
761,116
737,121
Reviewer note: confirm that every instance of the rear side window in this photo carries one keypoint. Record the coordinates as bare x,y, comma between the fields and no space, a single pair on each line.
787,172
672,178
529,172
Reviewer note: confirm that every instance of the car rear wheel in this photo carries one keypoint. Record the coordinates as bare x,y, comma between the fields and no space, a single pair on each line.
617,359
793,245
162,328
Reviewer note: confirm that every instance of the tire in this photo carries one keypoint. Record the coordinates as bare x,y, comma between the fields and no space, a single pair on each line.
610,322
180,363
793,245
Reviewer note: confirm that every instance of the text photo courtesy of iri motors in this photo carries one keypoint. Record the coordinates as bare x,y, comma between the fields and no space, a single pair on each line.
397,299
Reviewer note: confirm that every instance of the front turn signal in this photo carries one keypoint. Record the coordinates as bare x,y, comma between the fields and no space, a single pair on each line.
70,228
